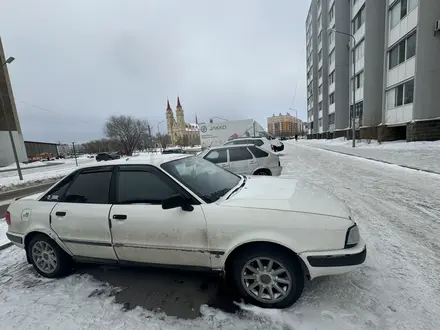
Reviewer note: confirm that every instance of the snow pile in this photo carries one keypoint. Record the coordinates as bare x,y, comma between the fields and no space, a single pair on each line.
419,155
42,174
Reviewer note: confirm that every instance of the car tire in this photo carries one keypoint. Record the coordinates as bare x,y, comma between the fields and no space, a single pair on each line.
286,288
48,259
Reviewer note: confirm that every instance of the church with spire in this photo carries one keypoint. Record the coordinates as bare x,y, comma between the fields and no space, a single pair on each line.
180,132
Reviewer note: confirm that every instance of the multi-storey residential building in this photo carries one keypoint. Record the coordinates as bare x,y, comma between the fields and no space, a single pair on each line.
412,71
284,125
327,66
395,49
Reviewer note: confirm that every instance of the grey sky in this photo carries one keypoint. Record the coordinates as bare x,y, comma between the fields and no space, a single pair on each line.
85,60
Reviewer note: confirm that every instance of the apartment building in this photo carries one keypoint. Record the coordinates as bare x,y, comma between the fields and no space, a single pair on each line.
284,125
328,67
395,49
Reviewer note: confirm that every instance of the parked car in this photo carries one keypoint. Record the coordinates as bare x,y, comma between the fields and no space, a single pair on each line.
106,156
264,234
260,142
244,159
173,151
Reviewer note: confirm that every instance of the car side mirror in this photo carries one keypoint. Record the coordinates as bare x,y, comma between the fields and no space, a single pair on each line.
176,201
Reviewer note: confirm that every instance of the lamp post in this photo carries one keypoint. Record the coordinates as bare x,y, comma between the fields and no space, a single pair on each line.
14,150
158,134
354,86
296,116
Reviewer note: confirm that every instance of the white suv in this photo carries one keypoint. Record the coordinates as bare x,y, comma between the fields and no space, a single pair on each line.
244,159
263,142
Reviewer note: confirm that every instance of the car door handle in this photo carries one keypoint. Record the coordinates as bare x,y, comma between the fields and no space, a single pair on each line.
119,217
60,214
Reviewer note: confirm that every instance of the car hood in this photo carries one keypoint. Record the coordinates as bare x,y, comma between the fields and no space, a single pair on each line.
287,194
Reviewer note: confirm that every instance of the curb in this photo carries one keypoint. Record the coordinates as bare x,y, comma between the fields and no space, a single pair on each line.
5,246
380,161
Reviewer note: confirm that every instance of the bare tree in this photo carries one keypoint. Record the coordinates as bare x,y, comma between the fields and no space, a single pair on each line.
126,129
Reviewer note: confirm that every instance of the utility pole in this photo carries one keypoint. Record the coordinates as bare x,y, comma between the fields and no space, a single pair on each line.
14,150
74,153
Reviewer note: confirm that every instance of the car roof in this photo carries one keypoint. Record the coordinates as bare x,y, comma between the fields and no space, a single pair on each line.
152,159
248,138
233,146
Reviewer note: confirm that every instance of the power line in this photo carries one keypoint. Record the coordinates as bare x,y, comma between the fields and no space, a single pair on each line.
52,111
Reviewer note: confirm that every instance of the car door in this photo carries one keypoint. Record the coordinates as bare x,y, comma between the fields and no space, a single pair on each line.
241,160
80,219
144,232
219,157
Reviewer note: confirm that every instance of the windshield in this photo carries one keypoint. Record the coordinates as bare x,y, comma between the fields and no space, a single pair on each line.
207,180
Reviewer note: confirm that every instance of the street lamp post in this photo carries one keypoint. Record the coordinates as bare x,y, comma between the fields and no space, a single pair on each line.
353,124
158,133
296,116
14,150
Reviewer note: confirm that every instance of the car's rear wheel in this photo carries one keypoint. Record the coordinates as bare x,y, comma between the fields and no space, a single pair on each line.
268,277
48,258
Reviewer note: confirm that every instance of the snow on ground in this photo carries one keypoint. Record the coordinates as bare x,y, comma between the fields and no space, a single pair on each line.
3,230
27,165
423,155
398,287
9,180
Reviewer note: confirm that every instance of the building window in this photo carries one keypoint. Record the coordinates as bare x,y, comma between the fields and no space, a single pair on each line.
319,37
320,73
331,78
320,55
320,122
401,95
358,20
400,9
331,57
403,51
331,12
320,106
359,80
331,36
320,89
358,52
359,110
331,118
331,98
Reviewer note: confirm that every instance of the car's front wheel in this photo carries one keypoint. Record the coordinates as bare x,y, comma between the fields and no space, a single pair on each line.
268,277
48,258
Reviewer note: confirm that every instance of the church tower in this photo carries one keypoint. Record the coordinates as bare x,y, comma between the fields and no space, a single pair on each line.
170,118
180,118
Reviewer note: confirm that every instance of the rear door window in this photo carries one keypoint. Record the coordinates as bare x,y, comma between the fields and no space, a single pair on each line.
258,153
91,187
237,154
258,142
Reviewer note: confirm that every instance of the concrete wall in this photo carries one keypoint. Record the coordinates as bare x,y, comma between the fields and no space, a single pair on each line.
325,8
6,154
374,53
427,78
315,64
342,63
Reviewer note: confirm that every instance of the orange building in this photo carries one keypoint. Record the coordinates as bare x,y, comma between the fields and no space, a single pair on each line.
284,125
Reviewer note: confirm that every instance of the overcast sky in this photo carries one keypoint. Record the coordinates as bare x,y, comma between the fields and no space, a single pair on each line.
85,60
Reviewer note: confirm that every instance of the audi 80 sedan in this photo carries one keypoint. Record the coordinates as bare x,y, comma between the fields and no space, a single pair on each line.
266,234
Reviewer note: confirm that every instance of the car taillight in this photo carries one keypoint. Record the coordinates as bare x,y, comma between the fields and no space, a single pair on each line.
279,163
8,218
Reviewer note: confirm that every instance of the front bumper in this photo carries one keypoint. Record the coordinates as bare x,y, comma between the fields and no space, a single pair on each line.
322,263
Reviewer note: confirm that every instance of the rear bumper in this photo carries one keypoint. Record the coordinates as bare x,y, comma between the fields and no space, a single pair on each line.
276,171
17,239
334,262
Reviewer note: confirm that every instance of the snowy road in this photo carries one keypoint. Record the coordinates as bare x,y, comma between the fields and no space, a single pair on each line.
398,287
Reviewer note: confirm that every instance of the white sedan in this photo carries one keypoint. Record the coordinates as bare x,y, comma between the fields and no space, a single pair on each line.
265,234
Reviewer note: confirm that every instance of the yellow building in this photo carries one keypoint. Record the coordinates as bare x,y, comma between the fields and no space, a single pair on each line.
284,125
180,132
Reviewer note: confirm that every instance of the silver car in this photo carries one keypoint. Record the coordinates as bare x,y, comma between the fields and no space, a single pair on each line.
244,159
